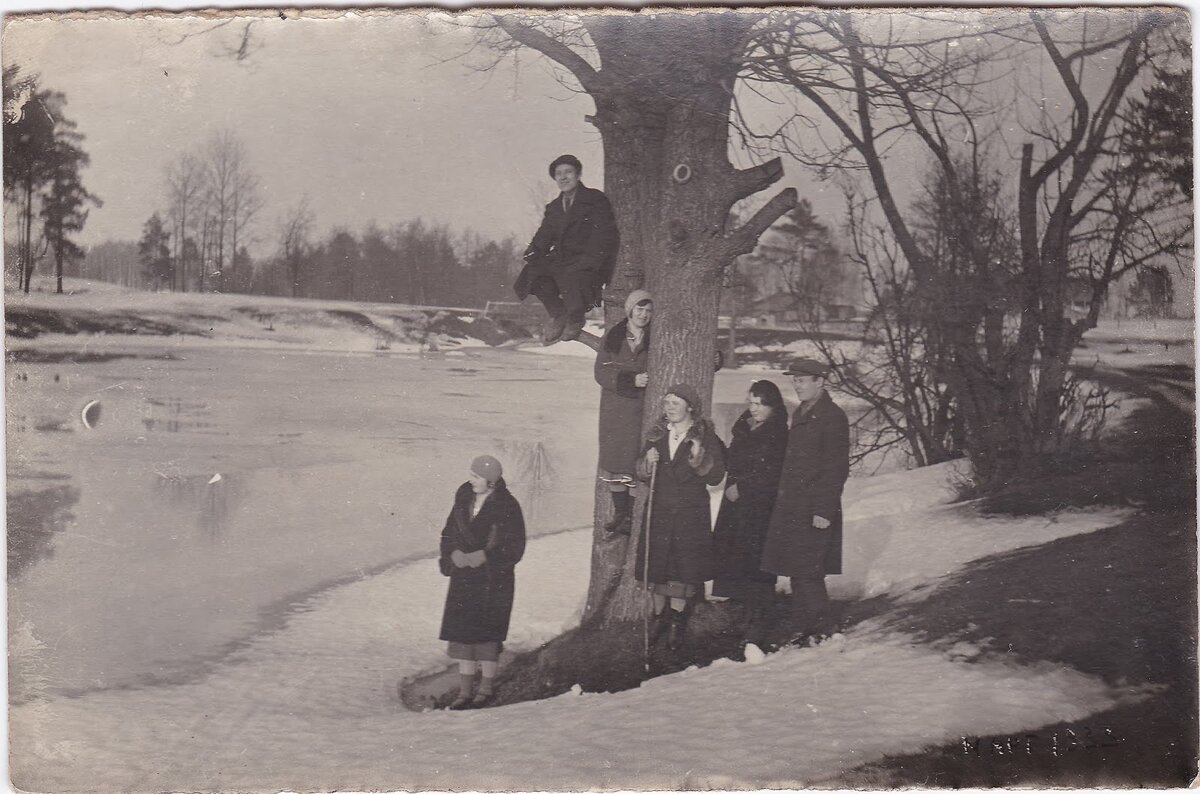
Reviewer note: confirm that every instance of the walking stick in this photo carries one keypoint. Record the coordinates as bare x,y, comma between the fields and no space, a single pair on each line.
646,571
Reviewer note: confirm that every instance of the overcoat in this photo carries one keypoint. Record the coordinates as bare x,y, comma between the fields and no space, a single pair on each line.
815,469
479,601
680,527
583,238
753,463
621,401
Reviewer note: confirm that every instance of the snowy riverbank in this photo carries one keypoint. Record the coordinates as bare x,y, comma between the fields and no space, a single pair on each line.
176,630
312,705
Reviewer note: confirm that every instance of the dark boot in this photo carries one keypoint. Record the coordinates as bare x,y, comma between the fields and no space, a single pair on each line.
621,523
658,625
552,329
677,629
756,626
571,330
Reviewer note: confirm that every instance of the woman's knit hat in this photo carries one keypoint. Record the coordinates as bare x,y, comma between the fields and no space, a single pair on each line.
687,394
634,298
487,467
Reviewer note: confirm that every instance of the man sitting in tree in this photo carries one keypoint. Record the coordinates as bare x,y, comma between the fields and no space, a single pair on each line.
572,254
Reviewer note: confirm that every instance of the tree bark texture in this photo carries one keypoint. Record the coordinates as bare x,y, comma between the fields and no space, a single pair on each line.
663,94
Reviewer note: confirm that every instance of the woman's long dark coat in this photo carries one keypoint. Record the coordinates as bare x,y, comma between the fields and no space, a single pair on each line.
815,469
681,519
621,401
479,602
753,462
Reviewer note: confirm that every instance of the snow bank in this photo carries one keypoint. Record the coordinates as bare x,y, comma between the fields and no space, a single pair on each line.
312,705
902,535
109,315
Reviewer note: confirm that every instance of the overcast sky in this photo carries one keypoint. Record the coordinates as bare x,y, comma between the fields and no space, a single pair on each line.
357,112
374,117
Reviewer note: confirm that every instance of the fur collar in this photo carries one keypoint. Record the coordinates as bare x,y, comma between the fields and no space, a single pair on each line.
465,492
615,337
776,423
700,428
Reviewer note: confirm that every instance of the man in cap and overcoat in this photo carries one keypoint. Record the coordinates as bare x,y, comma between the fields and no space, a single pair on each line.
572,253
804,535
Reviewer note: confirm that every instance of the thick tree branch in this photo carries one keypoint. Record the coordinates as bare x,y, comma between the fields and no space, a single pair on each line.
748,181
555,50
743,239
1081,111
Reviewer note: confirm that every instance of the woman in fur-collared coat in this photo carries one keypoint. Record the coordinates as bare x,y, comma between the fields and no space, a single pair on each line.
482,542
754,461
685,456
620,370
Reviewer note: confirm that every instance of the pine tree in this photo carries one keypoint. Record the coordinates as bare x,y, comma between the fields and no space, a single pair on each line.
64,202
154,253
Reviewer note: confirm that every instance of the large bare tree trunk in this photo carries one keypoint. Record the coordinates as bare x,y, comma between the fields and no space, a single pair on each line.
663,97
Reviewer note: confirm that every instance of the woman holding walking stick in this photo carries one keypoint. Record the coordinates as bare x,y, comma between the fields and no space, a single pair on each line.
683,455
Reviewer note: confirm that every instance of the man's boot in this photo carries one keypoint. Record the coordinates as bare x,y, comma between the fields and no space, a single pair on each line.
756,625
677,629
552,330
621,522
659,624
571,330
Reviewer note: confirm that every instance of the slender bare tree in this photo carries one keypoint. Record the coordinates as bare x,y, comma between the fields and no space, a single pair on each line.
221,155
294,243
185,183
244,205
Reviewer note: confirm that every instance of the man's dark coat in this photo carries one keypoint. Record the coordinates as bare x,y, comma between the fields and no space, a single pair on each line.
815,469
583,238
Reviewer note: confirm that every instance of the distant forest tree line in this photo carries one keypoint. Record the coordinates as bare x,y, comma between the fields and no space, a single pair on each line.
214,208
413,262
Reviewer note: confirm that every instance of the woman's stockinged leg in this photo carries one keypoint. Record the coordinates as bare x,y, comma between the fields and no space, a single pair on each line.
466,676
488,679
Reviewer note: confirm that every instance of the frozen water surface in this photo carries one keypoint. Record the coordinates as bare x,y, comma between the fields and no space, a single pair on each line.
218,489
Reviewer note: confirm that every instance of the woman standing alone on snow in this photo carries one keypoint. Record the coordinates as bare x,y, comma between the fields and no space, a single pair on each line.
483,540
620,370
754,462
685,456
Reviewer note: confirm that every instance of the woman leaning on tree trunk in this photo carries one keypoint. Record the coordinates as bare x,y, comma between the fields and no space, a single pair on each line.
620,370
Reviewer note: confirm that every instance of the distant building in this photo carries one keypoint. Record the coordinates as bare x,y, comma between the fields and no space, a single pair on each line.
783,309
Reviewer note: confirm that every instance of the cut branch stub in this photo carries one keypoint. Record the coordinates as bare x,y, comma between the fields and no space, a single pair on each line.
745,237
748,181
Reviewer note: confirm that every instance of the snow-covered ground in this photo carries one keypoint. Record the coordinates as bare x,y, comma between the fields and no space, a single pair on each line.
235,568
311,704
